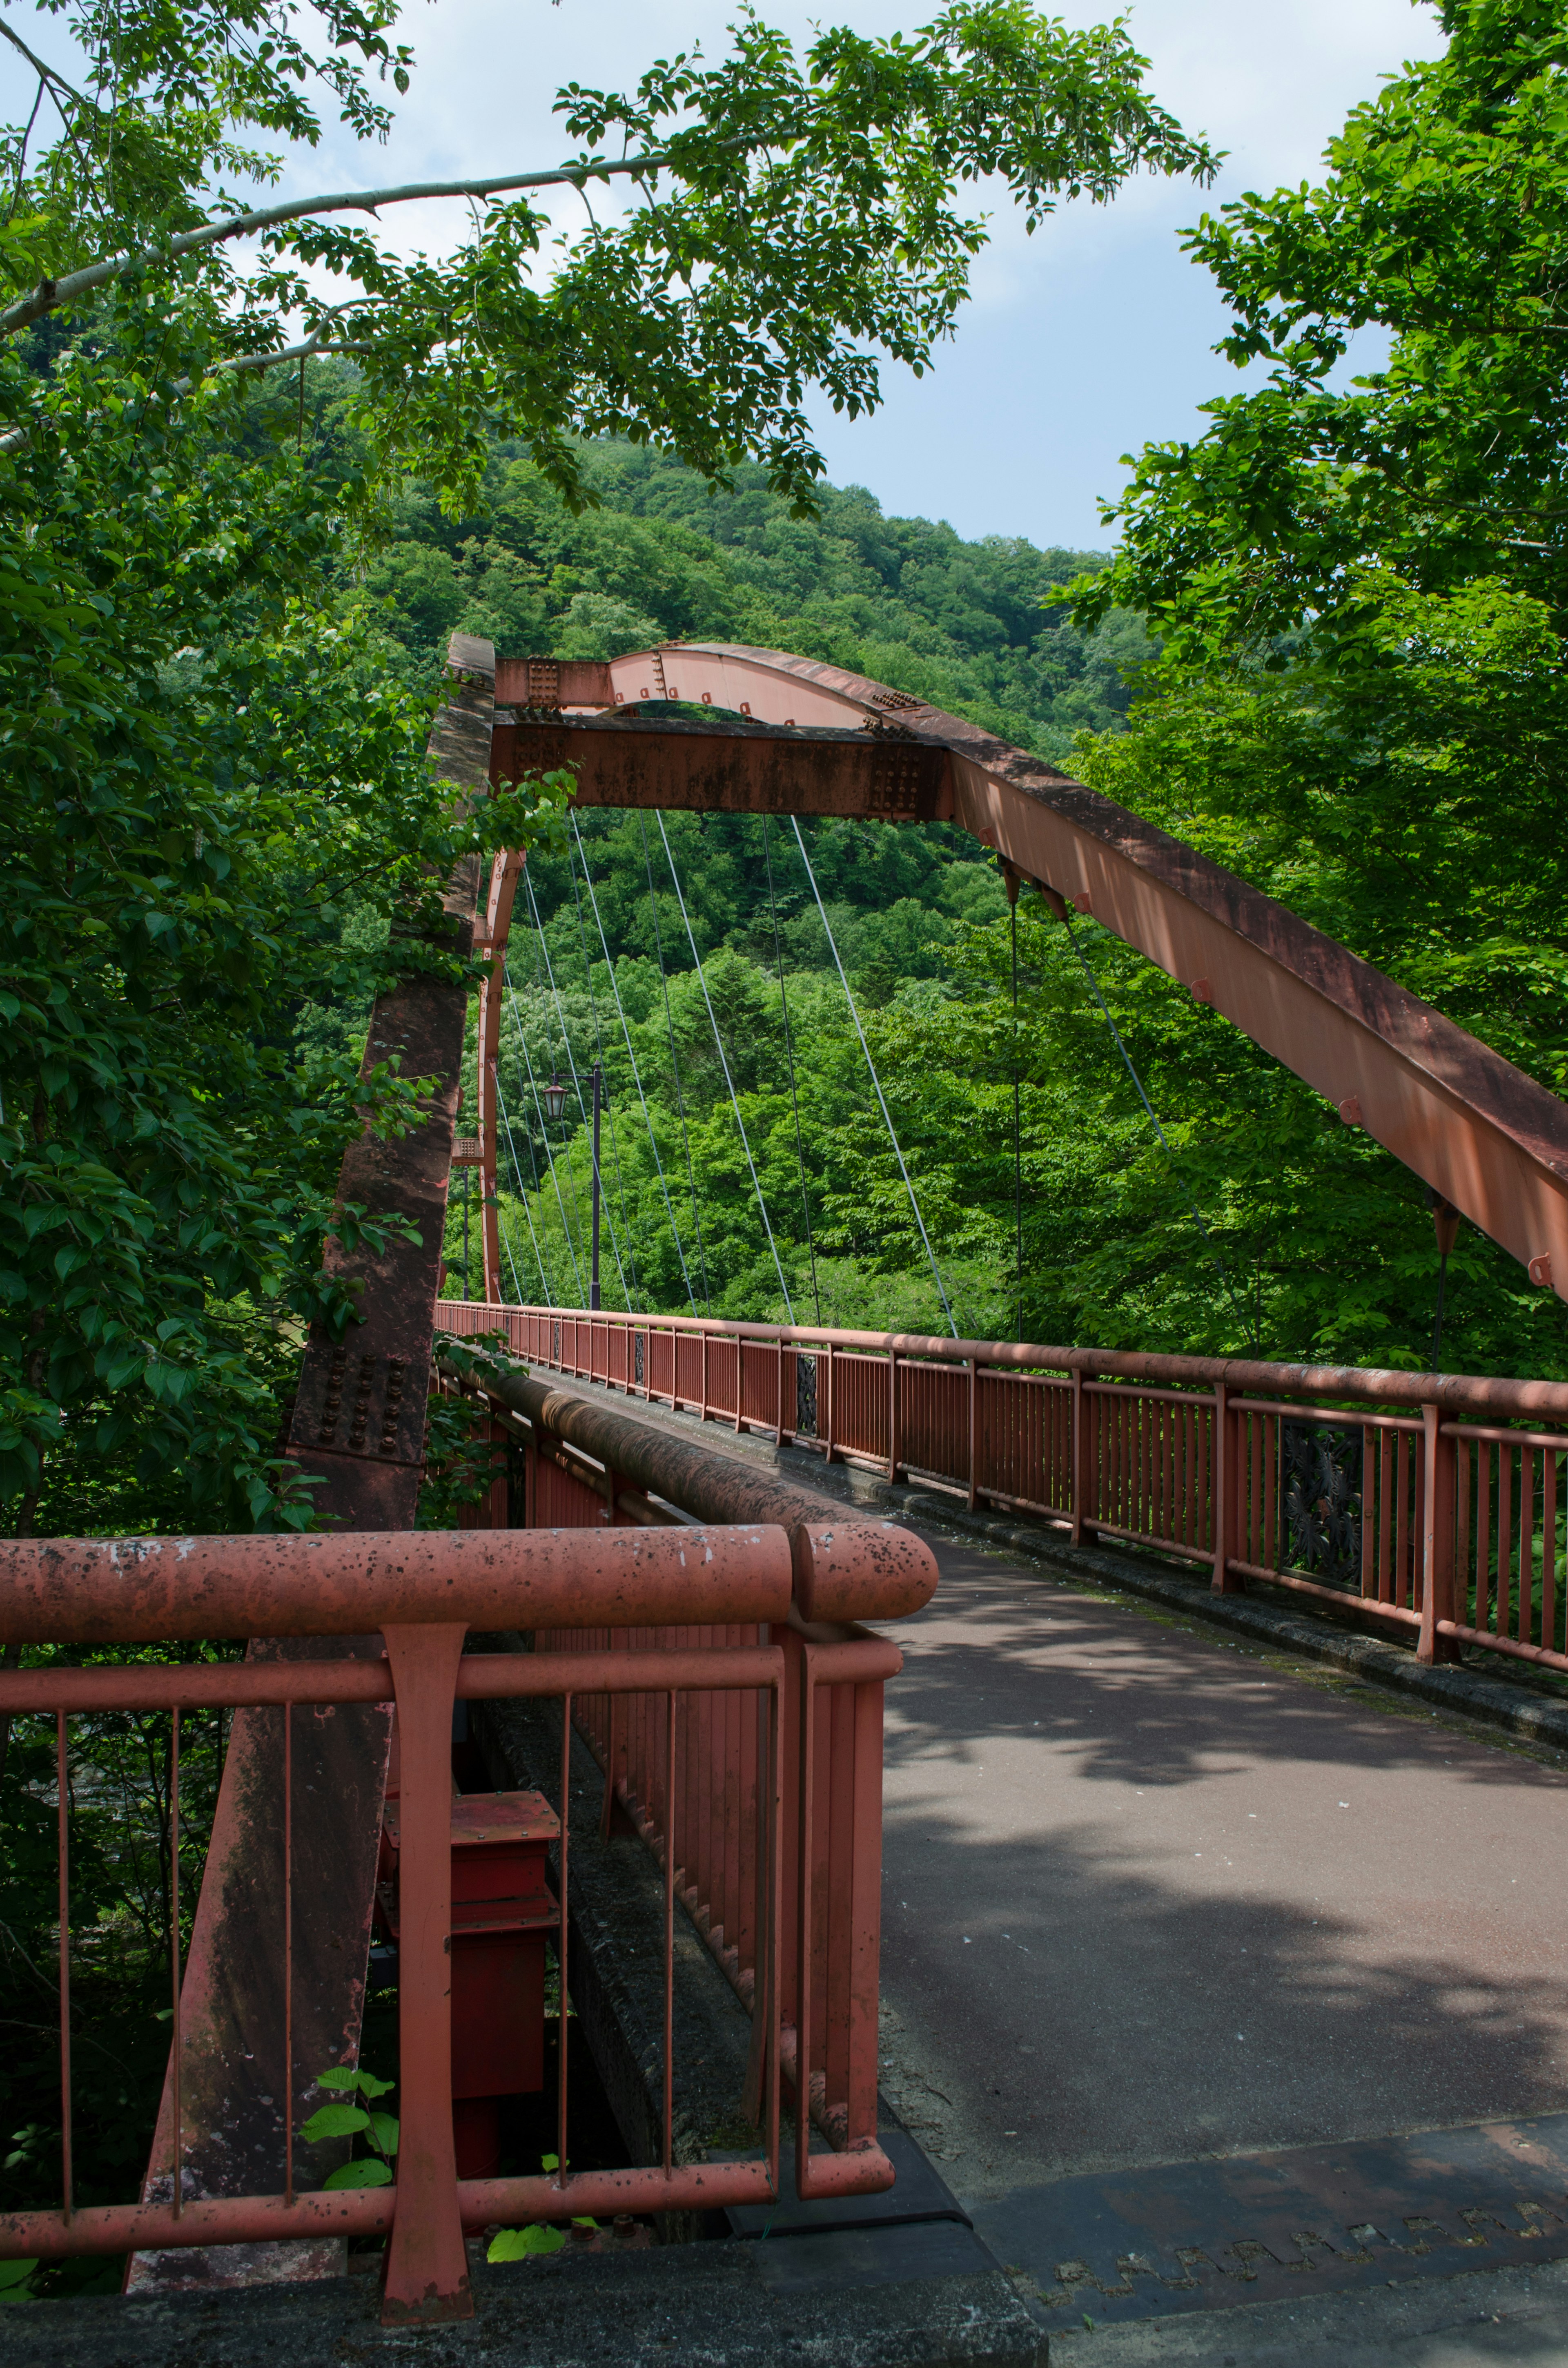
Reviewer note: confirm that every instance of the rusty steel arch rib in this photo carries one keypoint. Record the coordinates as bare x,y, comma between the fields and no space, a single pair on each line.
789,734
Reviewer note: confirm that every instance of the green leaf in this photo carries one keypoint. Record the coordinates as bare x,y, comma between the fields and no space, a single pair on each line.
345,2076
371,2171
334,2122
518,2243
16,2273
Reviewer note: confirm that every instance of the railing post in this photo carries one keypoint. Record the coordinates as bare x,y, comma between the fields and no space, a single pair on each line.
827,1443
892,1416
740,1379
1437,1539
973,1363
427,2266
1086,1494
1225,1473
703,1414
778,1395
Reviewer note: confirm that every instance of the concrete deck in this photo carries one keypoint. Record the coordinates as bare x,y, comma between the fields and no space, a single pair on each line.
1151,1896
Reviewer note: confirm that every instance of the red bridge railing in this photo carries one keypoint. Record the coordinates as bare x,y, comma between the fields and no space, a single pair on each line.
602,1602
1432,1503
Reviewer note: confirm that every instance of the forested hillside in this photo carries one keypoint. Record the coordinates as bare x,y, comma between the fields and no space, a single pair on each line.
663,558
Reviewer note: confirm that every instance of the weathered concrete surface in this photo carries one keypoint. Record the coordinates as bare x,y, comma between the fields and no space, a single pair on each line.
679,2307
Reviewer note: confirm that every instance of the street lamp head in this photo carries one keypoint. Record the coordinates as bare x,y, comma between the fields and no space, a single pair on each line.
555,1098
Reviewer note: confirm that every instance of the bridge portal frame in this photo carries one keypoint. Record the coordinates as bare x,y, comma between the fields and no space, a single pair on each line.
790,734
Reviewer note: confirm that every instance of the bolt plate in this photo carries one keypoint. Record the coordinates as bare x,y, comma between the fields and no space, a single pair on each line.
358,1404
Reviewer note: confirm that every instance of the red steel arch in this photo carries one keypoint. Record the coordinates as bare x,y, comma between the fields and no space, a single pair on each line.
792,735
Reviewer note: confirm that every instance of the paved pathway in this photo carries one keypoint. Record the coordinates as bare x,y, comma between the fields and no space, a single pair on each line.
1151,1894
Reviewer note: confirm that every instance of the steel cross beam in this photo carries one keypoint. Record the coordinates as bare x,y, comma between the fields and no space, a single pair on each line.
809,738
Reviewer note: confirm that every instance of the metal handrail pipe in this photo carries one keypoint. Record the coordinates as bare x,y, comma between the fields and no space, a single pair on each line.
120,1590
1370,1385
483,1676
848,1565
370,2212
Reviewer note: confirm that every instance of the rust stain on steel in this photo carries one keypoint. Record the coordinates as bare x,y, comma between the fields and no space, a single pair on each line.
729,766
96,1590
1484,1135
851,1565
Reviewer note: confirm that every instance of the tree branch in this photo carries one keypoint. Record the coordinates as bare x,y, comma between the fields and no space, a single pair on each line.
50,294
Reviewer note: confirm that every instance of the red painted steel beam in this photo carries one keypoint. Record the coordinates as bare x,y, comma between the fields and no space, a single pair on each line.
729,766
1482,1134
86,1590
484,1676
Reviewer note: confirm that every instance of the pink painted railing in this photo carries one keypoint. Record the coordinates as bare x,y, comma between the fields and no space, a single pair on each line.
1433,1503
617,1613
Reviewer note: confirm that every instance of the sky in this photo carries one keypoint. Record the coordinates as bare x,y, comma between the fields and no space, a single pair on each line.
1077,344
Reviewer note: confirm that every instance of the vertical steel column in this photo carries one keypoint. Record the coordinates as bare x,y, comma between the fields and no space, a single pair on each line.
973,1364
892,1416
426,2272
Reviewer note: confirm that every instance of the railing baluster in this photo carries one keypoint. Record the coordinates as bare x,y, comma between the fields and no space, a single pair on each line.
287,1954
1549,1548
62,1775
561,1930
1505,1539
669,1932
176,2065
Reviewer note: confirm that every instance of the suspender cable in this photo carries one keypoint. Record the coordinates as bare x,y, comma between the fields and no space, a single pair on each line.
734,1104
636,1076
1165,1141
675,1066
572,1249
522,1195
599,1057
582,1105
538,1111
790,1053
876,1081
544,1130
